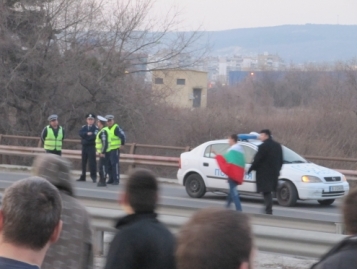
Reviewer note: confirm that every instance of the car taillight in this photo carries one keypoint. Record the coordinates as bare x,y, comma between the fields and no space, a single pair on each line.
179,163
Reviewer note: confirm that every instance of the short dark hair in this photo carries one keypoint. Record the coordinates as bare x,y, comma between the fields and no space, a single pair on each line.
31,210
349,212
142,190
234,137
266,131
215,238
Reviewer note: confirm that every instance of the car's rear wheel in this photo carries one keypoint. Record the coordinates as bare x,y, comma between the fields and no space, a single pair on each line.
287,194
195,187
326,202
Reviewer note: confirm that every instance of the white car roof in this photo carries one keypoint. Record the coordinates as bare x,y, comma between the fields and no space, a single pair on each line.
254,142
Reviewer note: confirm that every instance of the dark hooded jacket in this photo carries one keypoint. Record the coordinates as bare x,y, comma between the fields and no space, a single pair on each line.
341,256
141,243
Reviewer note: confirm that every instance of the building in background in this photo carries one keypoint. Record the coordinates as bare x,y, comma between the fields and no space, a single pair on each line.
181,87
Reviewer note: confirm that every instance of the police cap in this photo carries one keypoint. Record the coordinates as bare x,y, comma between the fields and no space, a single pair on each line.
52,117
101,118
90,116
109,117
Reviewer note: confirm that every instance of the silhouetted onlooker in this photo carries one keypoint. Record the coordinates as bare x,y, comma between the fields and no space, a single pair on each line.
30,221
343,255
215,238
74,247
142,241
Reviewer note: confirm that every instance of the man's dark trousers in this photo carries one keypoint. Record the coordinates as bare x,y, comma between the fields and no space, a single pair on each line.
113,166
89,154
268,201
102,167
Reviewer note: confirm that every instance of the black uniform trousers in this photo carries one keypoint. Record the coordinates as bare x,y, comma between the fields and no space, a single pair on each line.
113,166
57,152
103,166
89,155
268,202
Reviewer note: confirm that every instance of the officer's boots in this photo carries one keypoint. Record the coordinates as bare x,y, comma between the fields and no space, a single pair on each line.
101,182
82,178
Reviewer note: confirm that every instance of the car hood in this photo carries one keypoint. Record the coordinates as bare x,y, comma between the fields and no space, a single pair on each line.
311,169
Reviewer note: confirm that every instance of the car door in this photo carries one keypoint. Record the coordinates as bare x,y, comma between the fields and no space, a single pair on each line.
249,184
214,176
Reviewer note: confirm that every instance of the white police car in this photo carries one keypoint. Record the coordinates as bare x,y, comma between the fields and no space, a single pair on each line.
299,179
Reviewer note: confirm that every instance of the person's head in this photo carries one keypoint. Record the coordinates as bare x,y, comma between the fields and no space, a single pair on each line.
55,169
215,238
349,212
53,120
101,122
232,139
264,135
30,216
110,119
90,119
141,192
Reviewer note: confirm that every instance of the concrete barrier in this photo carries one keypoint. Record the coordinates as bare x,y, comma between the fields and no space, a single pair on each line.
267,238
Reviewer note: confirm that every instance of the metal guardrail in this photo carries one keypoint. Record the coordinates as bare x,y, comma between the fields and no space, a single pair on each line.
267,238
278,234
128,158
132,159
132,146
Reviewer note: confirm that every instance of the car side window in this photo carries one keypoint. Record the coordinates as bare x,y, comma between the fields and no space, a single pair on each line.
219,148
249,154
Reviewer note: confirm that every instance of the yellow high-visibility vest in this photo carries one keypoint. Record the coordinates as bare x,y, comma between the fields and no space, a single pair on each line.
51,142
115,140
98,141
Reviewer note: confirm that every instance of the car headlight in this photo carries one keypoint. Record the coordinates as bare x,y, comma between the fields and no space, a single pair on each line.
344,178
310,179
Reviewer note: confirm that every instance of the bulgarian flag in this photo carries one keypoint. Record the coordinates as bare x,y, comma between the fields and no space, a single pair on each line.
233,163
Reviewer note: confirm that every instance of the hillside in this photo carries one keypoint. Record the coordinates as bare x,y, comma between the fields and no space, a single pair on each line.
296,43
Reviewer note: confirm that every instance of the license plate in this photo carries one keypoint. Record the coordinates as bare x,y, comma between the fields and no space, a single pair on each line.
336,188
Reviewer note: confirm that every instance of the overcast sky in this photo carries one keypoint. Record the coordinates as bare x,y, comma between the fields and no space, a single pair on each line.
215,15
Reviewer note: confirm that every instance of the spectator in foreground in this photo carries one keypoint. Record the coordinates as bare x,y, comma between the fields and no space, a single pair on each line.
74,247
215,238
142,241
343,255
30,221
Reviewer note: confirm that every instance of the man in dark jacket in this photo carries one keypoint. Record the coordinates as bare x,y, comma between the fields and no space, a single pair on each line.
142,241
267,164
88,134
343,255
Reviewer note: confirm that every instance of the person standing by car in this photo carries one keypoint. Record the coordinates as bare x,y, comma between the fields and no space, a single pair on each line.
88,134
343,255
233,165
267,164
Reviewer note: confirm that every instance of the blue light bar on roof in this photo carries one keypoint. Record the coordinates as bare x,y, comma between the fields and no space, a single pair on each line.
246,137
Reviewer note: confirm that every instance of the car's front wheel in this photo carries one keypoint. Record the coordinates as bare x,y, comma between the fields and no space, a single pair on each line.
287,194
326,202
195,187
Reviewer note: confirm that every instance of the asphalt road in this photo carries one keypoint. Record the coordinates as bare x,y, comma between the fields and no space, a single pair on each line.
172,194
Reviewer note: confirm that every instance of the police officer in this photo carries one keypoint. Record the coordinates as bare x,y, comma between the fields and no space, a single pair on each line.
117,137
88,134
52,136
102,145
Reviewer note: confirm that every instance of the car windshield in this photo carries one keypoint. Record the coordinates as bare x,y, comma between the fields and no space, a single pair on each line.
292,157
